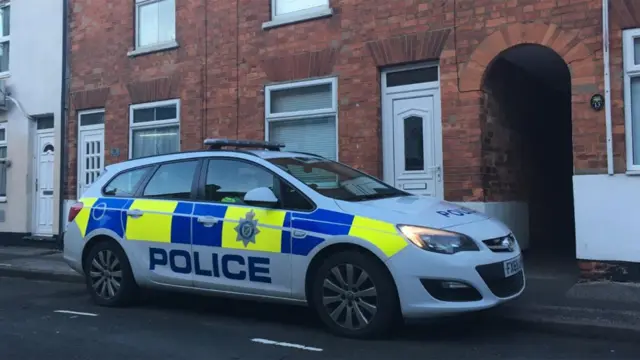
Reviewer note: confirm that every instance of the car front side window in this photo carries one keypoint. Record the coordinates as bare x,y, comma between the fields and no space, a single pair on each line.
228,180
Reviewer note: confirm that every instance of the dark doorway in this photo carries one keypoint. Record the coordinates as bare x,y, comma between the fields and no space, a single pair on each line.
527,144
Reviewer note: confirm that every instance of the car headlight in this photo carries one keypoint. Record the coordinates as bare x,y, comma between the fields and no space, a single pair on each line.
440,241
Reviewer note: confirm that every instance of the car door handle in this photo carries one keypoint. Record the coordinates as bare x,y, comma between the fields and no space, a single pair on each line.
134,213
299,234
207,221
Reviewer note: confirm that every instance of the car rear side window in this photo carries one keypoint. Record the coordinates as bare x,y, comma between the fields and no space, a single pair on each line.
172,181
125,183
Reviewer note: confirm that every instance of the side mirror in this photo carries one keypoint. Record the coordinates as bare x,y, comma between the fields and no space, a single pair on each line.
262,197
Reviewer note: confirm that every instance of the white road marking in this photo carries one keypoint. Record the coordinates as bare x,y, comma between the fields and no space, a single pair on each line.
7,265
75,313
285,344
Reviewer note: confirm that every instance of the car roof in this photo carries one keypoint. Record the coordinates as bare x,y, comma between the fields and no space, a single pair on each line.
261,149
153,159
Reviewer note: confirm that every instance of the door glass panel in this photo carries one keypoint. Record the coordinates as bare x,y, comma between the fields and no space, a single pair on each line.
92,119
410,77
413,144
47,148
45,122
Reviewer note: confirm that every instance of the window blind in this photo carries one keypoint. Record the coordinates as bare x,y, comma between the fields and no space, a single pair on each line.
302,99
313,135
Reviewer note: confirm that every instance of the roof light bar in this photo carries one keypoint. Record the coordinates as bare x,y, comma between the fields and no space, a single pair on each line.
217,144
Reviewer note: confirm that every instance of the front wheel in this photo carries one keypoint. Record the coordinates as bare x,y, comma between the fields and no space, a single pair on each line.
355,296
108,275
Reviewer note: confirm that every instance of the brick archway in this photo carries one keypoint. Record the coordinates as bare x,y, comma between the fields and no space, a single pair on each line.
568,44
514,170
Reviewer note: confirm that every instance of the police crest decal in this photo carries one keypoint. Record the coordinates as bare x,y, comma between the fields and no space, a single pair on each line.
247,229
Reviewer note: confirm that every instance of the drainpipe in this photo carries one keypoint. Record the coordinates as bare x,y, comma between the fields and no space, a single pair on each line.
607,84
63,117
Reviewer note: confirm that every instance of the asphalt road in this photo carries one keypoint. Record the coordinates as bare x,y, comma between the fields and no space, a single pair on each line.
35,323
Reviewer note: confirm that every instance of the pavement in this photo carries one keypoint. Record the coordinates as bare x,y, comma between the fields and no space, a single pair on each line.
555,302
56,320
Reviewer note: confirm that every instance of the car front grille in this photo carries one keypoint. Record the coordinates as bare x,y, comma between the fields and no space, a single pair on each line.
493,276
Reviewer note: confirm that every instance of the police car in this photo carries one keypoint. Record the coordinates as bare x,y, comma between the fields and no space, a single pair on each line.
250,219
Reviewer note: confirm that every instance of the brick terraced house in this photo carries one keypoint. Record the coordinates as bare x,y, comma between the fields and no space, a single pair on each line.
517,108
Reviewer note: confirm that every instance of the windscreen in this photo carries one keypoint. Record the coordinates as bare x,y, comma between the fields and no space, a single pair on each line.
336,180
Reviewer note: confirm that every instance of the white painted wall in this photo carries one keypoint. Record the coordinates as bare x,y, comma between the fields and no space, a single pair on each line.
514,214
607,219
35,68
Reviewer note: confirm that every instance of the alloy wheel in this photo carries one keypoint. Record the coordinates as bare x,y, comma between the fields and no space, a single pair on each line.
349,296
106,274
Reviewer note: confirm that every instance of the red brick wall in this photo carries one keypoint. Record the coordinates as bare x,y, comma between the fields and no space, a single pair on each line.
211,64
624,14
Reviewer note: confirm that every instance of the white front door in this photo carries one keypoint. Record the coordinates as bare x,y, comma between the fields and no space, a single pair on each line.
412,138
90,157
44,158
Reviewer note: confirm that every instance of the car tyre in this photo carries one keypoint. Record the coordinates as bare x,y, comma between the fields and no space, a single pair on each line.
108,276
370,300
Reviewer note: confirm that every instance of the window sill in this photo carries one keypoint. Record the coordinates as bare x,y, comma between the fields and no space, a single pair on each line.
5,75
153,49
297,17
633,173
3,199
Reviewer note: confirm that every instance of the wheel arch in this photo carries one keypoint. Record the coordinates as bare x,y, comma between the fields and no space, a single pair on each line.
338,247
95,240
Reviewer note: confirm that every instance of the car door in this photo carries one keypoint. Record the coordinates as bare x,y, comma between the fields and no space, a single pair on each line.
224,258
158,229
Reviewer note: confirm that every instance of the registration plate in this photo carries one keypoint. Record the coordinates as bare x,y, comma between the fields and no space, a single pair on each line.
513,266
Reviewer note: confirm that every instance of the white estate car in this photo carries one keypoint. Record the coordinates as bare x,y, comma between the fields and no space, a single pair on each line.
261,222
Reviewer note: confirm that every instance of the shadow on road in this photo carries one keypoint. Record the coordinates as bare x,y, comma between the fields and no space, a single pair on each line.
477,325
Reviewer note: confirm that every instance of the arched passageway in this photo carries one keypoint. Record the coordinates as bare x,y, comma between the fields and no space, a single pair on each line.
527,150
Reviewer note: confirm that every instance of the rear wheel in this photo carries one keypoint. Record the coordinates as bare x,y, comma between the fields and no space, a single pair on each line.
108,275
355,296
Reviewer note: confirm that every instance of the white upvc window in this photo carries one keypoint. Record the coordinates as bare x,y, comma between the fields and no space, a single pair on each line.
289,11
155,23
631,60
304,116
154,128
5,32
4,162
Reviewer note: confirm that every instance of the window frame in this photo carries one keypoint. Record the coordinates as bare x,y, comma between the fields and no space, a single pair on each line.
139,194
630,70
155,123
296,16
81,113
6,39
202,182
5,143
159,45
306,114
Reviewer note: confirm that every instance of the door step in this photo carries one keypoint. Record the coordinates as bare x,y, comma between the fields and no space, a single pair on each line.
46,242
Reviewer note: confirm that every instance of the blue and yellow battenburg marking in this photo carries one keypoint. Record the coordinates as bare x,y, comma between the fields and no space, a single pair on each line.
171,222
